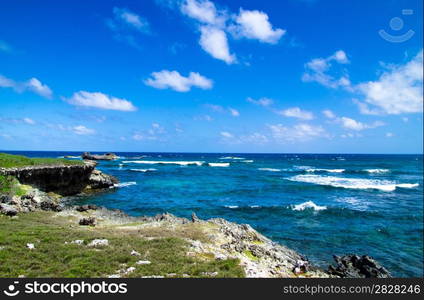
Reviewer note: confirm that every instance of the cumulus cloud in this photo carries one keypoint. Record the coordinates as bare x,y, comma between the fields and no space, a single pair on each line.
214,24
352,124
82,130
203,11
100,100
254,24
317,69
398,90
214,41
265,102
174,80
296,112
297,133
33,84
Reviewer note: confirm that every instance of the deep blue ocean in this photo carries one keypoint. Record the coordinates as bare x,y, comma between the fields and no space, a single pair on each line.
317,204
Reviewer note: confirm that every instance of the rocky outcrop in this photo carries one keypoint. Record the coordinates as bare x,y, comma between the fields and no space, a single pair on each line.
64,180
107,156
354,266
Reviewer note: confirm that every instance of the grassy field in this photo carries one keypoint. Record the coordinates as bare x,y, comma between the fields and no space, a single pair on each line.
10,186
11,161
52,257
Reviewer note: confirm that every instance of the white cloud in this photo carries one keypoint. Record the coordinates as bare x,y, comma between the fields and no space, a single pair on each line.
215,108
296,112
214,41
254,24
124,18
329,114
174,80
226,134
352,124
29,121
300,132
203,11
265,102
130,18
316,70
33,84
398,90
82,130
100,100
155,132
234,112
389,134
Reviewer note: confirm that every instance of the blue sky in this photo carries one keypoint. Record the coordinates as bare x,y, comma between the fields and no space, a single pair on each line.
308,76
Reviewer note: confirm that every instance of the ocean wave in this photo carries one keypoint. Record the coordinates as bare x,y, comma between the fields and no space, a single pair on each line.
377,171
248,161
326,170
143,170
352,183
158,162
218,164
308,205
231,206
124,184
232,157
269,169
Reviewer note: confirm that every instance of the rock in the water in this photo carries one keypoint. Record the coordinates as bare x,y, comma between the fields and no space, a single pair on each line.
8,210
90,221
107,156
354,266
99,180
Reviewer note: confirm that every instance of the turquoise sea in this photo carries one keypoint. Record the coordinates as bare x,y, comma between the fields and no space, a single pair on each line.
317,204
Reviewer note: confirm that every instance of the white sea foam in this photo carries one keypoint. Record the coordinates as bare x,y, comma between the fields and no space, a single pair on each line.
231,206
269,169
143,170
218,164
352,183
124,184
232,157
308,205
377,171
326,170
157,162
248,161
254,206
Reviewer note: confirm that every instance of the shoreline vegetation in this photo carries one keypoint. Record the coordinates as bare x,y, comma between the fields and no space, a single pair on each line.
43,235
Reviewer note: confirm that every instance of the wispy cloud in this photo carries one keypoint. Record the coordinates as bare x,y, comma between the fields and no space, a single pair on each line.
265,102
317,69
220,109
101,101
82,130
174,80
298,133
296,112
124,23
33,85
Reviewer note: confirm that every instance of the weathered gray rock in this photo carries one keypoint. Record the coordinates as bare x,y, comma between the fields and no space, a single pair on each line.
354,266
8,210
100,180
107,156
86,207
90,221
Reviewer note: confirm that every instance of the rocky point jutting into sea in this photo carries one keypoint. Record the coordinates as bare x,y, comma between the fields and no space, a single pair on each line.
50,188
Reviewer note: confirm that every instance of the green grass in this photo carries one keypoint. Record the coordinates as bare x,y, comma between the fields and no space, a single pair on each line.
53,258
11,161
9,185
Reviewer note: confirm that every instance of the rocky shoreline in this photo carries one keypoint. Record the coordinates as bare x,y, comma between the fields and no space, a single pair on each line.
46,186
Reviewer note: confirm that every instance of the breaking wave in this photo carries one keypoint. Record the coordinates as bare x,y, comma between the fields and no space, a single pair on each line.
158,162
308,205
